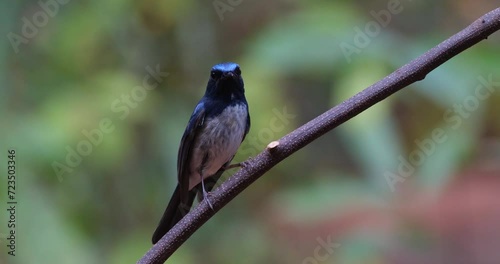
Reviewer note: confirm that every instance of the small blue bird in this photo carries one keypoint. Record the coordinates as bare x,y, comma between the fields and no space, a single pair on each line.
214,133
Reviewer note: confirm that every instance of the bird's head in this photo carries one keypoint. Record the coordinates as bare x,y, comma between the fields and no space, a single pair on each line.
225,81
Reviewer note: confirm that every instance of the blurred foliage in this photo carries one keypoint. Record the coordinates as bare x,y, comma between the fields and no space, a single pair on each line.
84,58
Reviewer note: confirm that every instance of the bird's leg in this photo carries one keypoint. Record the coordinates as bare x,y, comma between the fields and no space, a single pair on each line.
232,166
205,193
242,164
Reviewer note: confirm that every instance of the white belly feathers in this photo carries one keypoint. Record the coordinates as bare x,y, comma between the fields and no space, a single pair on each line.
219,141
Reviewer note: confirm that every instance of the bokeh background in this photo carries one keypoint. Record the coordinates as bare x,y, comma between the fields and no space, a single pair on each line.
331,202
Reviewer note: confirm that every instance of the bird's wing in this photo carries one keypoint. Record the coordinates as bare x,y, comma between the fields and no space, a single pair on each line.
186,148
247,128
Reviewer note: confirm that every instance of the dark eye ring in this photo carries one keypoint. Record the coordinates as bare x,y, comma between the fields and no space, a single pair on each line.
215,74
237,70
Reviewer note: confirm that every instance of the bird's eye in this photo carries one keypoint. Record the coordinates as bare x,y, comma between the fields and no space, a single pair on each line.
215,74
237,70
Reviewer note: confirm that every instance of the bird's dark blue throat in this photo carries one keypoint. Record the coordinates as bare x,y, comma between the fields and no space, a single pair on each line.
218,125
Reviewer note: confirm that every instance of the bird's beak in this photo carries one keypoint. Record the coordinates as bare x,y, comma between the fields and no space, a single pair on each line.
228,75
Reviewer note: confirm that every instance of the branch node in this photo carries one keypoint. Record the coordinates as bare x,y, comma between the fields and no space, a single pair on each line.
272,146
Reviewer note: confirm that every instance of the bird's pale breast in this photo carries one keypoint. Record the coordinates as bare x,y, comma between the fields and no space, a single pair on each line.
219,141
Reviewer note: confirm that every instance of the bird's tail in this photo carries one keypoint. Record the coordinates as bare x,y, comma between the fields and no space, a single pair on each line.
177,209
173,214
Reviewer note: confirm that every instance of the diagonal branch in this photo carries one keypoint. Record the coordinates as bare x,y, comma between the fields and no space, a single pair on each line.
412,72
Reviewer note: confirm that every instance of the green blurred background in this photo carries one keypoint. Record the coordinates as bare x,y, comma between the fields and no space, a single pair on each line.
329,203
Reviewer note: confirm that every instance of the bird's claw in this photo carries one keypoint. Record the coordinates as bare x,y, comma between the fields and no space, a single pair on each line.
232,166
242,164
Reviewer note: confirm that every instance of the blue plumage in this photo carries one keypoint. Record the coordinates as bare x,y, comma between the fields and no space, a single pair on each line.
214,132
226,66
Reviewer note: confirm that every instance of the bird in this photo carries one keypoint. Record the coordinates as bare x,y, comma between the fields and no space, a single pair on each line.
215,130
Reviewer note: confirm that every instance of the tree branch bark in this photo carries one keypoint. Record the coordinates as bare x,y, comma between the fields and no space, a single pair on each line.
255,167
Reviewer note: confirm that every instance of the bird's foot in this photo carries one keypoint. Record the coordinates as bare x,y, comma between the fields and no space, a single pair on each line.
236,165
245,163
232,166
